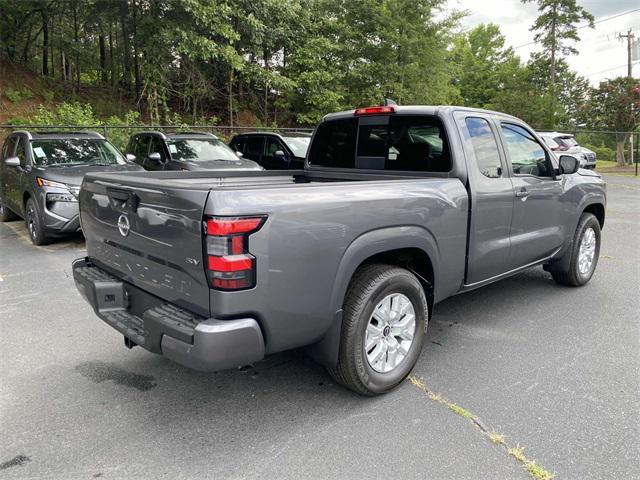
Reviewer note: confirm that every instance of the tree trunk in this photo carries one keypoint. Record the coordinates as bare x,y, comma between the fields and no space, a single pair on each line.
45,43
126,60
230,88
103,59
52,34
76,41
136,63
620,141
112,78
63,66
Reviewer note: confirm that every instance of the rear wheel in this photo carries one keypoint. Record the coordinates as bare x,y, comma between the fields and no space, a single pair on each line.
34,224
6,215
584,252
383,326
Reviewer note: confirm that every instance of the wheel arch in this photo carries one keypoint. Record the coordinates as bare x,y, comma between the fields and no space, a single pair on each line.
598,210
410,247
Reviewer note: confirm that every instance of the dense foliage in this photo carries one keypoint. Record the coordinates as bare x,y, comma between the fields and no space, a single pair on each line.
288,62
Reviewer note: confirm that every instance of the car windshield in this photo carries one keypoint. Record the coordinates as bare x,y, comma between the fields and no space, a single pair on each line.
194,150
568,141
298,145
75,151
551,143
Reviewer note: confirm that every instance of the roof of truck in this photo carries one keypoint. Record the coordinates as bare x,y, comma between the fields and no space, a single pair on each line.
176,135
555,134
423,110
53,134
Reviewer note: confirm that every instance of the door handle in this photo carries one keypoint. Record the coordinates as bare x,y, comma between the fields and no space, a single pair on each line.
522,193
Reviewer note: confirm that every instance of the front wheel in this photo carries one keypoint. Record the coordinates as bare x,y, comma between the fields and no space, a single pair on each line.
584,252
383,327
34,224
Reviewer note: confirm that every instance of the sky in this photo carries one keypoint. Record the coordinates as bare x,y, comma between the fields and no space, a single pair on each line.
601,54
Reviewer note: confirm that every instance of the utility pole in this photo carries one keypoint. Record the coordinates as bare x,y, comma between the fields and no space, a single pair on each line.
629,36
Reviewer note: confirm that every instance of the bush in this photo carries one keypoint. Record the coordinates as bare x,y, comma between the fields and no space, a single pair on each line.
15,96
602,153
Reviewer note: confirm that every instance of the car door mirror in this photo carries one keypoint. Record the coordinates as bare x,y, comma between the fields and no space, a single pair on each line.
279,153
12,162
130,158
239,153
155,157
569,164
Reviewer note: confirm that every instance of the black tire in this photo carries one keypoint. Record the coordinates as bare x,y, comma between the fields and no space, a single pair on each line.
572,276
34,225
6,215
370,285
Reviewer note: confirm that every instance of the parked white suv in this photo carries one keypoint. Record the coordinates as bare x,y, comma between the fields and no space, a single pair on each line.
567,144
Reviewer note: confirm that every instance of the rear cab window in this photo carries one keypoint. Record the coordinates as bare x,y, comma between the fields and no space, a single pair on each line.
412,143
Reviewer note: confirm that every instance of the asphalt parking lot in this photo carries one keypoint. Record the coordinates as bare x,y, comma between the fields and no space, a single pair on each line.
554,370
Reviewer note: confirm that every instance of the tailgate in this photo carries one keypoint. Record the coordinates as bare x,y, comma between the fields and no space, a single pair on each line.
149,235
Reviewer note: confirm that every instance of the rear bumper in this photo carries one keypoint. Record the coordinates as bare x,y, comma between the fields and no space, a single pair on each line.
198,343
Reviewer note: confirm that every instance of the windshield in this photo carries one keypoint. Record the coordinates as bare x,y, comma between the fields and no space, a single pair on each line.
569,141
298,145
194,150
75,151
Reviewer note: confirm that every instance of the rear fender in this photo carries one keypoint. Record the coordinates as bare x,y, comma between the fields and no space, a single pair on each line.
362,248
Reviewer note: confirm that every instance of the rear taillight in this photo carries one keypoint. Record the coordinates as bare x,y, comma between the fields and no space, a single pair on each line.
229,264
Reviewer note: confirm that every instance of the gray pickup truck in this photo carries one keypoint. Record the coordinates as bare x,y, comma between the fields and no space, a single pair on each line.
397,208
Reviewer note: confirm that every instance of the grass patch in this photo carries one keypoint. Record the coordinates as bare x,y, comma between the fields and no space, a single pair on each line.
460,411
534,470
496,438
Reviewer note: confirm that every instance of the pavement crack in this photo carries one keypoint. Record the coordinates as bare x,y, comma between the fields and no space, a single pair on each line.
517,452
16,461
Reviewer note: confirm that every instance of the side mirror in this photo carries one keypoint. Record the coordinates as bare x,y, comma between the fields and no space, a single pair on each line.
130,158
278,153
569,164
239,153
155,157
12,162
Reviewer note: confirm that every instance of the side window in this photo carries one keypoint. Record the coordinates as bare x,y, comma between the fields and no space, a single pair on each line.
272,146
334,144
485,147
253,146
156,147
21,153
142,147
237,145
526,154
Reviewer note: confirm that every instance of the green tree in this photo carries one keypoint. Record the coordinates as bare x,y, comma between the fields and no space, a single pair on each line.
483,65
556,31
615,106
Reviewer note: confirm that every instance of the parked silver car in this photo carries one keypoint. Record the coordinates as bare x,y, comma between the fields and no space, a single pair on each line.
566,144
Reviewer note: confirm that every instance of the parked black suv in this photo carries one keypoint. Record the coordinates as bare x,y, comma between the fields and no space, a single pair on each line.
184,151
272,150
41,173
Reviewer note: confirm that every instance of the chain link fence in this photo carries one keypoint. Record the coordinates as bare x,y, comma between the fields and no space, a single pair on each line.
603,143
119,134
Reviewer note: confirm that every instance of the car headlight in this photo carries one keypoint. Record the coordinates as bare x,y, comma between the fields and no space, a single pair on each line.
43,182
71,194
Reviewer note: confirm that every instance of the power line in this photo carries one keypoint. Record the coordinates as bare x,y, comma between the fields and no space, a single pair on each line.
588,24
607,70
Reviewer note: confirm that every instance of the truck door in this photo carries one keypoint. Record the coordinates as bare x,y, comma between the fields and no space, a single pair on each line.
491,199
536,229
